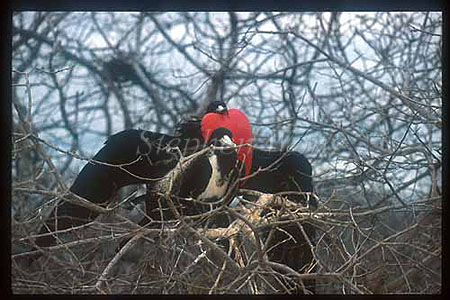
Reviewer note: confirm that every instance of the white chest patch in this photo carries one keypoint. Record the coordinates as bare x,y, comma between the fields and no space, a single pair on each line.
217,186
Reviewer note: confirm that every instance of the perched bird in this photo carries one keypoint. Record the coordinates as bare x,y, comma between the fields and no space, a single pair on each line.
128,157
274,172
137,157
199,184
198,130
217,115
277,170
210,177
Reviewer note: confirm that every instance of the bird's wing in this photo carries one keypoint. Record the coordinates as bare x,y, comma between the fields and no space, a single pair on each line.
128,157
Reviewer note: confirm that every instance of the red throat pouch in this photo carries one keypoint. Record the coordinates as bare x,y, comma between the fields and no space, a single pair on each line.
238,123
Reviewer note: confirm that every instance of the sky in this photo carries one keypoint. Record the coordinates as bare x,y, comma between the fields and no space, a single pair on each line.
173,65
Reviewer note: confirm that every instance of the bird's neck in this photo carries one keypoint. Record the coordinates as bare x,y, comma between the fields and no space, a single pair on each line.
226,161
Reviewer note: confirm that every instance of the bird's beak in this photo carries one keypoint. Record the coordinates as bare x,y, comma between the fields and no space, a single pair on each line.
221,109
227,141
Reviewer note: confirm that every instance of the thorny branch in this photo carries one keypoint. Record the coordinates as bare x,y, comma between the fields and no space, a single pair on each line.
361,93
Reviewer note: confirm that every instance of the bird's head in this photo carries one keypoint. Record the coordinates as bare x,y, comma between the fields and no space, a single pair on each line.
235,121
218,107
226,158
221,137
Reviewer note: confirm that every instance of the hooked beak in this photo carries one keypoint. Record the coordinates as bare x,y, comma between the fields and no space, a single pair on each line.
222,109
227,141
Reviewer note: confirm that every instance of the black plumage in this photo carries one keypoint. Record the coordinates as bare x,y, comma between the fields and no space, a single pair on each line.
132,157
278,170
282,171
139,152
128,157
287,171
152,156
202,185
210,177
144,157
190,128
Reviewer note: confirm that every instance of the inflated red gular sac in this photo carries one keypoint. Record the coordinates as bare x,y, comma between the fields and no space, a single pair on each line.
217,115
